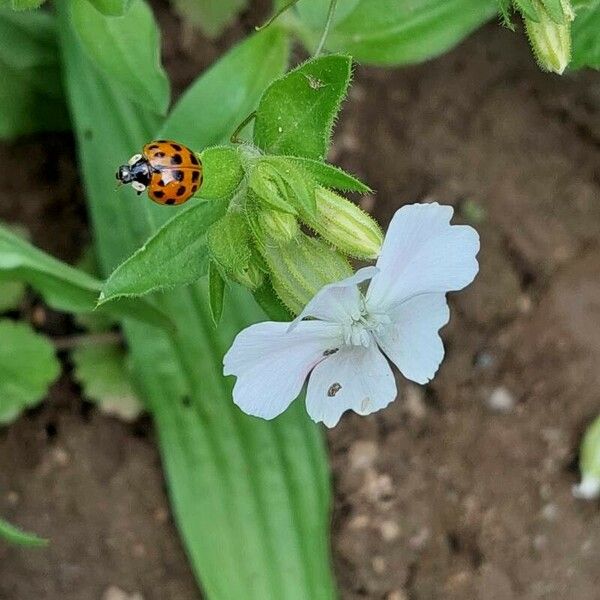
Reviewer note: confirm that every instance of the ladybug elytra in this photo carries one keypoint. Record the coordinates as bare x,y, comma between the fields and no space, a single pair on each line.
170,171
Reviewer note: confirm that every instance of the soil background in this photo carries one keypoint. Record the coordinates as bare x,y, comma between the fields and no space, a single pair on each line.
458,490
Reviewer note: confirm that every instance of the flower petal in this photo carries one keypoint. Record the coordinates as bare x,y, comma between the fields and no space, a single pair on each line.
271,364
412,341
338,301
423,253
355,378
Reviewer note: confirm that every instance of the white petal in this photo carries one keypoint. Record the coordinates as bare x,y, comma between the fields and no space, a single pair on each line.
355,378
337,301
423,253
412,341
271,364
588,489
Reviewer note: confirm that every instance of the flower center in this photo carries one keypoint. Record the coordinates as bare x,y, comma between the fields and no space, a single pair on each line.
358,330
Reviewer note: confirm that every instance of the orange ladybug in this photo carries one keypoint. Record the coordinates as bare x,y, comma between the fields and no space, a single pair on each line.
170,172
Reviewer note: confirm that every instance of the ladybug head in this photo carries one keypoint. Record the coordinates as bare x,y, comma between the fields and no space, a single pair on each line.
124,174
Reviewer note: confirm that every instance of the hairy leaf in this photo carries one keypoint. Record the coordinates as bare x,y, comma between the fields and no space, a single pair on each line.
175,255
296,113
62,286
126,50
28,366
586,40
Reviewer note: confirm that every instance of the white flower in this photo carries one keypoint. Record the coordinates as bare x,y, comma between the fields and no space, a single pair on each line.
342,350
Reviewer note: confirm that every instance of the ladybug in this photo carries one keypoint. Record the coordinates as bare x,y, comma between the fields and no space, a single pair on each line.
170,172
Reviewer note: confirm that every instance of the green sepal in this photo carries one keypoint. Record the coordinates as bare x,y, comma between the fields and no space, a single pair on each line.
222,172
301,268
269,187
216,293
530,9
268,300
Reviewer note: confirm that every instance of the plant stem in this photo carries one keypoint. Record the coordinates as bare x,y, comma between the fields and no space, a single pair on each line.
234,136
68,342
330,13
275,15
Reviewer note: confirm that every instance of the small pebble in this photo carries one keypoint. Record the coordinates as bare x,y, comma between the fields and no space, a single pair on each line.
362,454
501,400
550,512
379,565
359,522
390,530
415,404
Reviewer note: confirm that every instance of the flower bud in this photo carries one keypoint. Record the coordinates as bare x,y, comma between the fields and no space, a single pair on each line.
229,246
282,227
223,172
300,268
344,225
550,36
589,464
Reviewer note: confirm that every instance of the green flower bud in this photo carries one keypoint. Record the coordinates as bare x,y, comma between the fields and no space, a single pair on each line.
344,225
222,173
550,36
278,225
229,246
300,268
269,187
589,463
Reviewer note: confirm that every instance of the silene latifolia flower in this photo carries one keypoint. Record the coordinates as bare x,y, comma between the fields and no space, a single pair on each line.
343,338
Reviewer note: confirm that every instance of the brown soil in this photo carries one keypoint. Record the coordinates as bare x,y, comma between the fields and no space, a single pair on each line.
449,493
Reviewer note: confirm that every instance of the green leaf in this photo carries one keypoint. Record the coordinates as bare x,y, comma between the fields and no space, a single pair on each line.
31,95
586,41
251,498
216,293
213,105
175,255
329,175
296,113
529,9
274,308
555,9
14,535
314,12
210,16
103,373
397,32
11,294
22,4
113,8
222,173
28,366
126,49
62,286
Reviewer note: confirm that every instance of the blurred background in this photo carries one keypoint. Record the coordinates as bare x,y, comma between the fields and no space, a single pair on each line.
460,490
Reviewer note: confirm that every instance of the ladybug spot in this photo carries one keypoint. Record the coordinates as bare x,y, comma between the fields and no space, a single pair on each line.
178,175
170,201
161,141
159,154
194,188
158,194
161,182
153,147
176,159
181,190
176,147
195,176
193,158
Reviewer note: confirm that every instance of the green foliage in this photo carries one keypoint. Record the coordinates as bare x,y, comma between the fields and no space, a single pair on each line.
11,294
31,96
28,366
296,113
586,39
213,105
103,373
18,537
210,16
589,452
329,176
126,49
64,287
21,4
251,498
175,255
113,8
395,32
223,172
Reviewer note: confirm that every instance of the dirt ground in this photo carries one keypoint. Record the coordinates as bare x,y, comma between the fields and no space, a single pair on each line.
458,490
